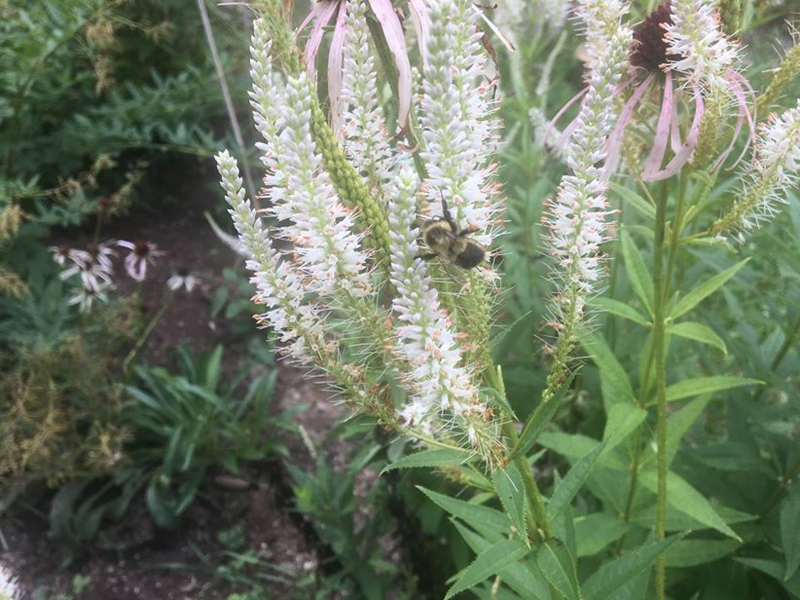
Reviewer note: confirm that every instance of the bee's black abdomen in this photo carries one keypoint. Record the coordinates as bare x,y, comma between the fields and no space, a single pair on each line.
471,257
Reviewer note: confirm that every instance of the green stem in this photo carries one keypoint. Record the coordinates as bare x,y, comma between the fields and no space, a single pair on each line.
788,342
539,521
777,493
675,235
661,426
126,364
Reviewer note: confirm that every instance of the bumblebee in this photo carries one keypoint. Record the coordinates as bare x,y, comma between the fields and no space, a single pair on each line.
444,240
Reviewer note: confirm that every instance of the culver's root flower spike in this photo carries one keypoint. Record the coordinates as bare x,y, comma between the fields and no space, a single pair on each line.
578,218
385,339
774,169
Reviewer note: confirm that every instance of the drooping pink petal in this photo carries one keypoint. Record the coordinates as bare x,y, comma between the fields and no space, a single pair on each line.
656,157
554,121
396,40
738,83
335,58
675,139
615,139
324,10
685,153
420,17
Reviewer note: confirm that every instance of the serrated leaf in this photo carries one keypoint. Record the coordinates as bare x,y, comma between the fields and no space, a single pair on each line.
436,457
688,553
517,576
489,562
704,290
620,309
706,385
596,531
613,575
790,530
490,523
699,333
565,491
773,568
637,272
576,446
636,202
616,386
686,499
556,564
539,419
511,491
678,424
623,419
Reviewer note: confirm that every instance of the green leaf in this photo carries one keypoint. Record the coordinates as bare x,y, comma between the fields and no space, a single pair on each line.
678,424
576,446
615,383
699,333
596,531
620,309
213,369
437,457
790,530
490,523
569,486
517,576
636,202
684,498
704,290
539,420
613,575
773,568
637,272
623,419
688,553
556,564
511,491
706,385
489,562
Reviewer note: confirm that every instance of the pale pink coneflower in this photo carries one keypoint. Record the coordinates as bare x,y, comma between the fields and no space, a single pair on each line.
182,279
458,120
680,47
141,255
301,193
84,297
63,254
9,587
324,11
774,169
93,266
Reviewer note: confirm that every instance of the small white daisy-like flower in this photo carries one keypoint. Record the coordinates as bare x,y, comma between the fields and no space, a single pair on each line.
64,254
9,589
182,279
84,297
93,266
141,254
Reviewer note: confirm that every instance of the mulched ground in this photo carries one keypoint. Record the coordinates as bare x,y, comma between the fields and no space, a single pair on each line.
259,502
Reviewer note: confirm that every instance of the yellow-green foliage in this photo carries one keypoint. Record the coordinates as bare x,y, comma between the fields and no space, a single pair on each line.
60,408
